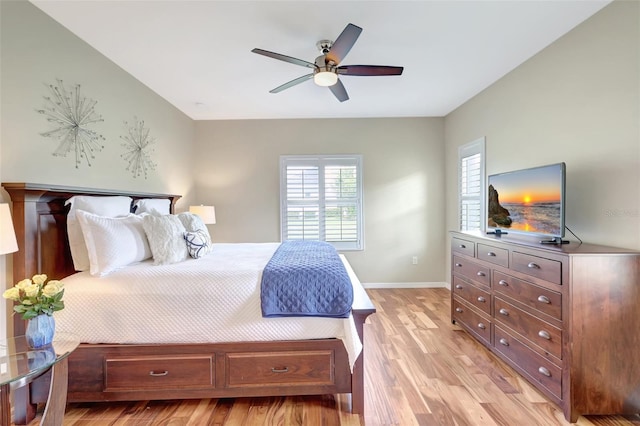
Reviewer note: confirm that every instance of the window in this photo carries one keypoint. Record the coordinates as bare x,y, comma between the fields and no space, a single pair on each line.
471,185
321,199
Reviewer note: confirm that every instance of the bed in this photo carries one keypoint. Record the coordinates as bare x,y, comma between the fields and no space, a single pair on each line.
178,368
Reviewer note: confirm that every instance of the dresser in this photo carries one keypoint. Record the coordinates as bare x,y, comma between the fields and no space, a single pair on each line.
566,317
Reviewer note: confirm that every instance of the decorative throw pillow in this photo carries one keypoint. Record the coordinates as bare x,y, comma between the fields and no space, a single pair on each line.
198,243
166,238
156,206
112,242
115,206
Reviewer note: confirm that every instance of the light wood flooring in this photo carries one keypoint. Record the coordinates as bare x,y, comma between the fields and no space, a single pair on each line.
419,370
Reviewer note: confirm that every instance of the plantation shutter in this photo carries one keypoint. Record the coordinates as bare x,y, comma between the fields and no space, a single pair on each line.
321,200
471,185
303,202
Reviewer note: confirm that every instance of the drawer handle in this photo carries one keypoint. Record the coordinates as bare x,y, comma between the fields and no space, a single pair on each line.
154,374
504,312
533,265
503,283
481,326
544,299
459,310
459,265
544,371
544,334
504,342
491,254
481,274
481,299
458,286
463,246
279,370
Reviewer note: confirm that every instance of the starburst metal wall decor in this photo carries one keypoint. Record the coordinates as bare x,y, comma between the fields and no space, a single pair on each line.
70,113
138,151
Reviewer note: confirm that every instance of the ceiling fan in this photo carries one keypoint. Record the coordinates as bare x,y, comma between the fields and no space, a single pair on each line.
326,67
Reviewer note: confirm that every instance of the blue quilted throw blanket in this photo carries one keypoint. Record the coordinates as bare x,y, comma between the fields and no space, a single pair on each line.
306,278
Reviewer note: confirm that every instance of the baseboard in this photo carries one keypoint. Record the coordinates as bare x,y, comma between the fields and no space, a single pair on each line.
407,285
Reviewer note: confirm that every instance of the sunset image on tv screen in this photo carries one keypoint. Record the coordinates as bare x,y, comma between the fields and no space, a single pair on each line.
527,200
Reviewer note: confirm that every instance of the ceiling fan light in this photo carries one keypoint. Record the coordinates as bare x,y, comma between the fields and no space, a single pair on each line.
325,78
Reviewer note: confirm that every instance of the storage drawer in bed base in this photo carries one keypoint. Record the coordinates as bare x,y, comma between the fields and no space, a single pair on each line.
159,372
155,372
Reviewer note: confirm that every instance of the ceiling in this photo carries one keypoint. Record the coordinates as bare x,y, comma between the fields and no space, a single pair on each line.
197,54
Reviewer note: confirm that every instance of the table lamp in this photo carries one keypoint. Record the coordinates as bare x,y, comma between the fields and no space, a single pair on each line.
206,213
8,243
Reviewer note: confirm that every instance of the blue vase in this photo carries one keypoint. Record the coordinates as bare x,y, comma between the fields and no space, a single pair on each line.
40,331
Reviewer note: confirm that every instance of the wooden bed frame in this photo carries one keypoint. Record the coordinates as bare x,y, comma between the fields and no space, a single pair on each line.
110,372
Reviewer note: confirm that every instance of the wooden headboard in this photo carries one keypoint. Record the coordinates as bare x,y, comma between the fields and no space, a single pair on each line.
40,222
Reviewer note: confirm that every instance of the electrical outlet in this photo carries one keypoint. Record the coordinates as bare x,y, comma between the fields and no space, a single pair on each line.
414,260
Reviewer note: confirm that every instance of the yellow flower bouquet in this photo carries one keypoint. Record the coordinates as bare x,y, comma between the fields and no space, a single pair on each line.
36,297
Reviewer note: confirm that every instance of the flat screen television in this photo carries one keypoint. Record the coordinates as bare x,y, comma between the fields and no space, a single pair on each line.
529,201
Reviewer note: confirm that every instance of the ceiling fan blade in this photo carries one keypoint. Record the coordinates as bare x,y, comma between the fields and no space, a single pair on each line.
344,43
369,70
292,83
339,91
284,58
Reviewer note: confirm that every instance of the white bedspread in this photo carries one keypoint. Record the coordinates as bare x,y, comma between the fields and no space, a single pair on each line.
212,299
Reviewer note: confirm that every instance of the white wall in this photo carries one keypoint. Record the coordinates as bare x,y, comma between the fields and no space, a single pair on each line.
237,170
3,258
35,51
577,101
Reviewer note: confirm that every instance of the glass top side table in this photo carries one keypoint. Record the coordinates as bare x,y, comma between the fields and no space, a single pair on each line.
20,365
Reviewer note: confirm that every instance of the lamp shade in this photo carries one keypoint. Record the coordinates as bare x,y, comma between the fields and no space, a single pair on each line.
206,213
8,243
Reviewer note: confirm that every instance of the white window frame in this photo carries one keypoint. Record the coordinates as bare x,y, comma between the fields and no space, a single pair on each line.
321,161
465,152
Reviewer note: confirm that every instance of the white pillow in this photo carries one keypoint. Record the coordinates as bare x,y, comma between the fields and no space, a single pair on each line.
166,238
197,236
193,222
103,206
113,242
157,206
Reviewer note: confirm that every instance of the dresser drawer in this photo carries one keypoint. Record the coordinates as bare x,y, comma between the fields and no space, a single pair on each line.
539,298
496,255
472,321
539,267
463,246
292,368
540,370
159,372
472,270
479,298
543,334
